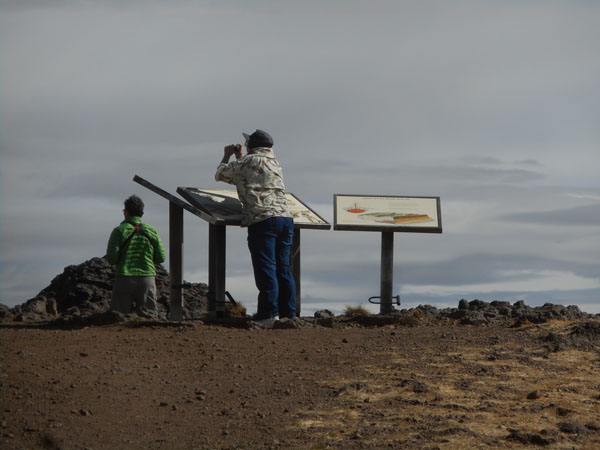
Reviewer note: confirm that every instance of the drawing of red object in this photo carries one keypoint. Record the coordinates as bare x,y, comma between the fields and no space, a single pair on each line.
356,209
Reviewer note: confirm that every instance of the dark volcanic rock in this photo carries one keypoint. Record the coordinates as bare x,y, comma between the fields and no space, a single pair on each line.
84,291
529,438
584,335
478,312
4,311
81,295
568,427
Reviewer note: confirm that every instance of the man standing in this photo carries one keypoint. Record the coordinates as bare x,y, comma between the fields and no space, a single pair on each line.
259,181
135,248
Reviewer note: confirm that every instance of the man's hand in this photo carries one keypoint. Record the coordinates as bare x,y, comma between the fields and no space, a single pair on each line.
229,150
234,149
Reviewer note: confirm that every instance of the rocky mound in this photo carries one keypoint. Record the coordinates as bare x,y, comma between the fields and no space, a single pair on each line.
81,295
474,312
84,290
582,336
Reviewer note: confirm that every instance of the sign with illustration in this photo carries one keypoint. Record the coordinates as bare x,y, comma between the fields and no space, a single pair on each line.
217,204
225,204
387,213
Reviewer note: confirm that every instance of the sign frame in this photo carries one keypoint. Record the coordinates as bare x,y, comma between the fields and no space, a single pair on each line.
407,228
233,219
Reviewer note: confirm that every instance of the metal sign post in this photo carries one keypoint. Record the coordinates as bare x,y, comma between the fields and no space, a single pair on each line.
176,207
387,214
216,269
295,265
387,272
176,261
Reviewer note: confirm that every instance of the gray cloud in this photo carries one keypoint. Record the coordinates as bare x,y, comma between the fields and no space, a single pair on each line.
588,215
392,98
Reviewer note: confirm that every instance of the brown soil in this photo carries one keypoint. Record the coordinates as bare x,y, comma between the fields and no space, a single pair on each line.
204,386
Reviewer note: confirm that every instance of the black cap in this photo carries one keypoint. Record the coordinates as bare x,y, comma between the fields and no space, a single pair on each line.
259,138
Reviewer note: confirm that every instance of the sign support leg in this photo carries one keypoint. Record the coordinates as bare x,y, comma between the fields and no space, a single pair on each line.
387,272
295,263
216,270
176,261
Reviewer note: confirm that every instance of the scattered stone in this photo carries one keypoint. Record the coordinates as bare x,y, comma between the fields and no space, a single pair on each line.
572,428
474,318
5,312
478,305
528,438
50,442
359,386
592,427
323,314
288,324
533,395
419,387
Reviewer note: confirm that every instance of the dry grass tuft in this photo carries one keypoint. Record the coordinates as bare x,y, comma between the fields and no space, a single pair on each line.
236,310
353,311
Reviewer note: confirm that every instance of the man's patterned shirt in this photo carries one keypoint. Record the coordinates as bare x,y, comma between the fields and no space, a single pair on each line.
259,181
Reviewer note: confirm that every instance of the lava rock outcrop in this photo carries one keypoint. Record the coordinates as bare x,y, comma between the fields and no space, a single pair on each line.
85,289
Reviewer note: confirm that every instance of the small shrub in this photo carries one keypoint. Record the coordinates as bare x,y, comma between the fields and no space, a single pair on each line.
236,310
352,311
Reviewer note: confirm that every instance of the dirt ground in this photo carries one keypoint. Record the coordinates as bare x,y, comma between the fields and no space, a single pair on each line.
128,386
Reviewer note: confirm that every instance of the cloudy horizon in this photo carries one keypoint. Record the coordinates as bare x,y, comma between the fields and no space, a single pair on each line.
492,106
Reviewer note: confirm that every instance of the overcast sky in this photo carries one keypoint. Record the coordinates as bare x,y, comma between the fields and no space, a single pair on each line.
493,106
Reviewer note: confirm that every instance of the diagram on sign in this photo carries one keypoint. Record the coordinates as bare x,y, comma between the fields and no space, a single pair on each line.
218,202
386,211
301,213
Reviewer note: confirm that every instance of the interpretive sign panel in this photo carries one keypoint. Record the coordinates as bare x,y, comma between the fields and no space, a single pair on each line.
387,213
225,205
216,203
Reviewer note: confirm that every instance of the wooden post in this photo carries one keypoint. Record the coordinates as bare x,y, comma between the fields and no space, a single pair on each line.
387,272
176,261
216,270
295,263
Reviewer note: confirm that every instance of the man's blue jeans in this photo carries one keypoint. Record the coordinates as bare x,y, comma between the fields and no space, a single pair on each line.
270,243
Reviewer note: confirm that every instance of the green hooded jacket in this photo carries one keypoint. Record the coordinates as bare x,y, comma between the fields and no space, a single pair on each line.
138,257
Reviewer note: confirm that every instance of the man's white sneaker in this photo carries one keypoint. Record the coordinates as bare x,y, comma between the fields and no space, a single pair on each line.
267,323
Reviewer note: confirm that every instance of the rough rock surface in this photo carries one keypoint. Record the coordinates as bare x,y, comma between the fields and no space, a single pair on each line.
81,295
475,312
84,291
